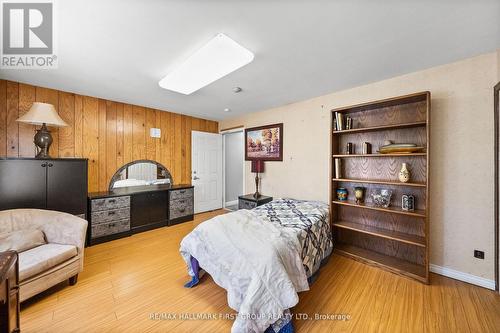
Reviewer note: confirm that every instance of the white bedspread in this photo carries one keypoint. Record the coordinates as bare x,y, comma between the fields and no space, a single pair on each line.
258,264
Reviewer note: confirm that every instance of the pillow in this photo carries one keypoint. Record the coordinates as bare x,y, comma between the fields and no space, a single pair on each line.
21,240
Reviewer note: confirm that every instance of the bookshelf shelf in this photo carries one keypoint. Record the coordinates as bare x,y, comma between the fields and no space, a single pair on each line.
381,182
381,128
395,265
390,238
378,155
390,209
384,233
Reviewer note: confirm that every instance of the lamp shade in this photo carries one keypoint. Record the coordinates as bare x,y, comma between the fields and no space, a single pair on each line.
258,166
42,113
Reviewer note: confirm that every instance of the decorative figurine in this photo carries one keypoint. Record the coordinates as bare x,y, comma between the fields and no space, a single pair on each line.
408,202
404,174
359,194
342,194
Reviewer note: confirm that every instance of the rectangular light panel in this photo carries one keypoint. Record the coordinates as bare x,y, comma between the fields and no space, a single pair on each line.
219,57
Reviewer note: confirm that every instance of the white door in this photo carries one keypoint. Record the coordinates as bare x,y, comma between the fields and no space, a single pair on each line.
206,159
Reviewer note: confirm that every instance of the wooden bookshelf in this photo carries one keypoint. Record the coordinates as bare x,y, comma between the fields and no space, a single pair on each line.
390,238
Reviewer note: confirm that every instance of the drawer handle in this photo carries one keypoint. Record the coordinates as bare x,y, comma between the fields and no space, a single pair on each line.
112,201
182,210
111,213
182,191
111,225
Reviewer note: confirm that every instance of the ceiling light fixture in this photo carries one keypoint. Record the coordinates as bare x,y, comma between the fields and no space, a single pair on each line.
227,110
219,57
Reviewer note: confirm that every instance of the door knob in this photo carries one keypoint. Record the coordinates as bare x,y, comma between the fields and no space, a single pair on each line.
196,178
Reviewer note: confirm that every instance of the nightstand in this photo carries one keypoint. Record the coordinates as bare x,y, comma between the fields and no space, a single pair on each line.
249,202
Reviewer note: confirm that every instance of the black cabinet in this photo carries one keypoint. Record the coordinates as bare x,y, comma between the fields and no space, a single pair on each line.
149,210
55,184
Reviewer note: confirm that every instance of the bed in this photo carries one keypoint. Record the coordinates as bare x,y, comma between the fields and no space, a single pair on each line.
263,258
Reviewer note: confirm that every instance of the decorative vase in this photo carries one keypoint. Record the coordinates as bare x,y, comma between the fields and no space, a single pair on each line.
342,194
404,174
359,194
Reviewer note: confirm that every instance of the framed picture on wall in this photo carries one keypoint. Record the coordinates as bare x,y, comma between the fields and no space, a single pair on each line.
264,143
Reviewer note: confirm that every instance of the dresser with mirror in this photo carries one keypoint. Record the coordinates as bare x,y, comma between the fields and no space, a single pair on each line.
141,196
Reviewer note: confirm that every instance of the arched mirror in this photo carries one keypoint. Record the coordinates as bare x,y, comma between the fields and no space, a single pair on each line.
140,173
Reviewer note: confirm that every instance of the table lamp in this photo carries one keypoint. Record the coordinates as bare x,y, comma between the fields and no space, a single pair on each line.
42,114
257,167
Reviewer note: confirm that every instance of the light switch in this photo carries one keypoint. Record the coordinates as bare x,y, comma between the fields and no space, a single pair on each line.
155,132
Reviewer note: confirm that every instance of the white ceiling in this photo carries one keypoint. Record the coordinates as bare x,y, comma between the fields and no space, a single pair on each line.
120,49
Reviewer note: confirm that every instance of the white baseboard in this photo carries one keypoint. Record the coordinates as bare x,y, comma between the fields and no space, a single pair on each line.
465,277
230,203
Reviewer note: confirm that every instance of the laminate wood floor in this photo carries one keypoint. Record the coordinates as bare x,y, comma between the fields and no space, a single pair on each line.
126,281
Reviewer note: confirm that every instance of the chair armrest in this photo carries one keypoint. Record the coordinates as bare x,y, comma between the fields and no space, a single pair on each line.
66,229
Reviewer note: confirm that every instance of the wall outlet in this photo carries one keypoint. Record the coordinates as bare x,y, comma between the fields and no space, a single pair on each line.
155,132
479,254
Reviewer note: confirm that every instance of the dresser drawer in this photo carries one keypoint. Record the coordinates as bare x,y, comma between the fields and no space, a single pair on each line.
181,208
181,194
105,229
245,204
110,215
110,203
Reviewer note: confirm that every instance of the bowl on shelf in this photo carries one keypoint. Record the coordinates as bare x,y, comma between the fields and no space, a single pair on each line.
381,197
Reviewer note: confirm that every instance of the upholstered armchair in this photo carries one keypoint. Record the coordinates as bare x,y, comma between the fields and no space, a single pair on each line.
50,246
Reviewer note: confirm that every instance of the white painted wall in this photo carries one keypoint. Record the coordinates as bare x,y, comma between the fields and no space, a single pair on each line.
234,155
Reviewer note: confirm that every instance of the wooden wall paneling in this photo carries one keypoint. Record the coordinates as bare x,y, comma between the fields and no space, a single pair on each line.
12,115
138,133
213,127
128,125
50,96
184,166
150,142
66,134
119,135
78,130
108,133
111,139
177,159
195,124
27,95
158,141
3,118
189,128
166,138
102,174
91,139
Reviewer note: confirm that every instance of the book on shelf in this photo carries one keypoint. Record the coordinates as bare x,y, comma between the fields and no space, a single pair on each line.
338,165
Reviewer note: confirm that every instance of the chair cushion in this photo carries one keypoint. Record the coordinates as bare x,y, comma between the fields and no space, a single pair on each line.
42,258
21,240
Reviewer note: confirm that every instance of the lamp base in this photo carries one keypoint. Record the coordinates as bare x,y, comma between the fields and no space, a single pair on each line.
43,140
256,195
